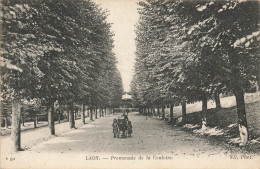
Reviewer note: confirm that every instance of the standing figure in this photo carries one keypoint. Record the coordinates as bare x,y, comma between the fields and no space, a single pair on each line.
124,125
115,127
127,111
129,128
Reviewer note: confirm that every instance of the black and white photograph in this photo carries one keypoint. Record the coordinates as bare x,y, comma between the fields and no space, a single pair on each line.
135,84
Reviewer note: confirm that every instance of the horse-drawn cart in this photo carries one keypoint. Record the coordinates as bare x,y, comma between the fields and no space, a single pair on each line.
122,127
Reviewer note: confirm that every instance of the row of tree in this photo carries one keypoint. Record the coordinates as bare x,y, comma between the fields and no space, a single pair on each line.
58,52
191,51
32,112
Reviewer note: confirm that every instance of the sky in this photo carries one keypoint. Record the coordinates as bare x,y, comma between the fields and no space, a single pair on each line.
123,16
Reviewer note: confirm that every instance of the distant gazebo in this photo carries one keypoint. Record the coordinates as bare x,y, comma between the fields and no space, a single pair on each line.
126,97
126,100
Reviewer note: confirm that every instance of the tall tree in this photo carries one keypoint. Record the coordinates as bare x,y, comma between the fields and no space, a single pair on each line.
56,51
189,51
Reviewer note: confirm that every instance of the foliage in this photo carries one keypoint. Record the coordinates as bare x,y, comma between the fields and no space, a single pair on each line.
64,51
185,49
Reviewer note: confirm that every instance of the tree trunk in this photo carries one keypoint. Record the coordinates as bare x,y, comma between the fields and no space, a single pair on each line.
158,112
22,120
16,128
99,112
59,117
75,114
68,115
96,113
239,95
217,100
204,112
257,77
171,113
183,106
83,114
51,120
62,114
163,113
6,121
105,111
241,113
257,86
35,121
102,112
91,114
88,112
71,117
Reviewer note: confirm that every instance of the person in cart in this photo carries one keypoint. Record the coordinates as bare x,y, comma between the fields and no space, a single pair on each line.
127,111
125,116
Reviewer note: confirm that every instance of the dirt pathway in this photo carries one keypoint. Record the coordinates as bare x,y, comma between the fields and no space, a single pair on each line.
94,144
33,136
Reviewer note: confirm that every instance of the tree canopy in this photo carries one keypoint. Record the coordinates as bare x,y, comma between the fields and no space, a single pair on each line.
63,48
57,51
191,50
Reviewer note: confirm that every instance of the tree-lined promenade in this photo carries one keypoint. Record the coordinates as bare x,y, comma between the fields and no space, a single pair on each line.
151,137
190,51
57,62
58,55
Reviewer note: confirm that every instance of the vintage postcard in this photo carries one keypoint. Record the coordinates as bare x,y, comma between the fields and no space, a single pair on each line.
157,84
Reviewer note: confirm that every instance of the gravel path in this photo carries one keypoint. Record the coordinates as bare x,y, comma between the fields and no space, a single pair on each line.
153,141
33,136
